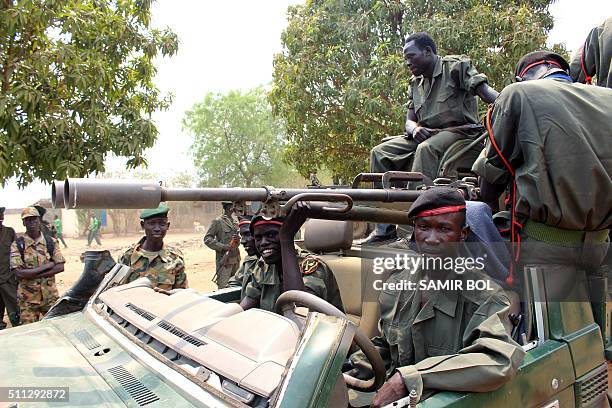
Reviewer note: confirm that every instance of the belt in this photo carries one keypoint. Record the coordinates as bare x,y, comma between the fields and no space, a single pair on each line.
563,237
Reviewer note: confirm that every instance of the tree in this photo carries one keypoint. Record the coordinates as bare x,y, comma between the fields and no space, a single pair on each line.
237,141
75,84
340,83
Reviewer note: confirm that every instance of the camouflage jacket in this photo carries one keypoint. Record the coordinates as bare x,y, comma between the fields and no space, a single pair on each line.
165,268
35,254
244,274
219,234
267,285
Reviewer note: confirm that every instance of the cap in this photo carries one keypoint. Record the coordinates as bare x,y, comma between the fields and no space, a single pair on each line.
539,57
436,201
161,211
41,210
260,220
29,212
227,203
2,210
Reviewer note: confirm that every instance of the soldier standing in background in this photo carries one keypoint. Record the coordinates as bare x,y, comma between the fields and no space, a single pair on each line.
35,260
8,280
163,265
222,237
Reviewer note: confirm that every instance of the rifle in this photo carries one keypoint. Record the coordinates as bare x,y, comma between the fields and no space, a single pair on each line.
233,245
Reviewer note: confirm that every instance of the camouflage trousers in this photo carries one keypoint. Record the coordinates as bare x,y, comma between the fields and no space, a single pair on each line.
35,301
33,312
224,273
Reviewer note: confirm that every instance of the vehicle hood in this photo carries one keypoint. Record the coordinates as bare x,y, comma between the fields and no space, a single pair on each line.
72,351
39,355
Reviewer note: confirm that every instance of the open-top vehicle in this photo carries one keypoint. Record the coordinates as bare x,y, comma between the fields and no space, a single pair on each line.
126,344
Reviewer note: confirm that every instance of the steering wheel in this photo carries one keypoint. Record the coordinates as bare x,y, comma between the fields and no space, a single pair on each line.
362,341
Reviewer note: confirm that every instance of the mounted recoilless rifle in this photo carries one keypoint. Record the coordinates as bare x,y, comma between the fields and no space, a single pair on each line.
357,202
385,205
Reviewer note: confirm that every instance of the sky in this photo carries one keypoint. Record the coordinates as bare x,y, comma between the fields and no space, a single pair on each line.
230,44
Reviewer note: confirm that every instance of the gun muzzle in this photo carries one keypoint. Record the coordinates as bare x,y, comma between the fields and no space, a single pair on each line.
57,194
97,193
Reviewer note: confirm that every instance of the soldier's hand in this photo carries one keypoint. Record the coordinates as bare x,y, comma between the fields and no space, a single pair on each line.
393,390
294,220
420,133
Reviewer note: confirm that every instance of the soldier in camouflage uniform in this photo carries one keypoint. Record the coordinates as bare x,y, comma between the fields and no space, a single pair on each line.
451,339
35,260
218,237
304,270
163,265
244,274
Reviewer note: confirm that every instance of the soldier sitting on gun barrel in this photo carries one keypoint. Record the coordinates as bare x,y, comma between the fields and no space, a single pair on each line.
163,265
270,279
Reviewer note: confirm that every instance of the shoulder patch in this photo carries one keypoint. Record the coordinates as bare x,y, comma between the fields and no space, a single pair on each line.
309,265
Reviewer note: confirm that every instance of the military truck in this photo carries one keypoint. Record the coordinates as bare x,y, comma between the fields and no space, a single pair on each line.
114,344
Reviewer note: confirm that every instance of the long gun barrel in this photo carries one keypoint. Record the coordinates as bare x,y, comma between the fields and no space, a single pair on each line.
94,193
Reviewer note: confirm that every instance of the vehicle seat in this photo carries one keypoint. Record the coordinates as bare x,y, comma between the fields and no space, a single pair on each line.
329,240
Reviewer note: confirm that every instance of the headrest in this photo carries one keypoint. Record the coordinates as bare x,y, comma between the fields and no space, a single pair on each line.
327,236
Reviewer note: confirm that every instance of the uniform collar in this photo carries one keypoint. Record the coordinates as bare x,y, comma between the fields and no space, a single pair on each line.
251,258
437,71
29,241
139,252
269,273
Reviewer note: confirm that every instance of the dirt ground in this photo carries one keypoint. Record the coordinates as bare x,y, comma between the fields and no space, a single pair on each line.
199,259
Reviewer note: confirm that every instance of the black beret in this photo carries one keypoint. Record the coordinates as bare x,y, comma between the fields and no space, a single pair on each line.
2,210
445,199
259,219
536,56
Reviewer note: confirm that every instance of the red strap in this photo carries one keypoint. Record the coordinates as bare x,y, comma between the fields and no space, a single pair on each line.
244,222
514,233
533,64
261,222
587,78
441,210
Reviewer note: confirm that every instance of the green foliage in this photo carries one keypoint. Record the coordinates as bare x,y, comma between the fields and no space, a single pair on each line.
75,84
237,141
340,83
